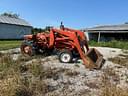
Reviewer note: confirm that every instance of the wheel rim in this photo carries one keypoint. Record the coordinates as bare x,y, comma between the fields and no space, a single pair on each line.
65,57
27,50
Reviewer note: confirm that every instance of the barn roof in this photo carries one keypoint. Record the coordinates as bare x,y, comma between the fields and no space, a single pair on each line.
110,27
121,27
12,20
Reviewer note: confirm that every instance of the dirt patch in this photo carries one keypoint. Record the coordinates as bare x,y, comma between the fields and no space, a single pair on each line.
72,73
121,59
46,76
92,85
110,89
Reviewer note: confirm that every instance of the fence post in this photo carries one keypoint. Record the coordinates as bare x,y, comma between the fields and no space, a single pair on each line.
99,37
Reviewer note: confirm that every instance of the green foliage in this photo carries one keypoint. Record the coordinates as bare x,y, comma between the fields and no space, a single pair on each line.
6,44
13,15
113,44
39,30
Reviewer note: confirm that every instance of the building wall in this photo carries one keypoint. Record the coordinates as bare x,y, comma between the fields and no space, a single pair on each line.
8,31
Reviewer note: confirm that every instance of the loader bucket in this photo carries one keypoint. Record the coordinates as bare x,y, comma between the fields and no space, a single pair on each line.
95,58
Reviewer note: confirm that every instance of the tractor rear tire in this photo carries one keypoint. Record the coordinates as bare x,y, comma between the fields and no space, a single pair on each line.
65,56
27,49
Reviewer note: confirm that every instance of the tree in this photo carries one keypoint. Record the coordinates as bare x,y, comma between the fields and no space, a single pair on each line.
37,30
13,15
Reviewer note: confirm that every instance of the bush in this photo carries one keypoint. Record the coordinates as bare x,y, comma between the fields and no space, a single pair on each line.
113,44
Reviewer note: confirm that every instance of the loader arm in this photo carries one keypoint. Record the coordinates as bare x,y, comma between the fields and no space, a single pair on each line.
52,39
73,36
81,34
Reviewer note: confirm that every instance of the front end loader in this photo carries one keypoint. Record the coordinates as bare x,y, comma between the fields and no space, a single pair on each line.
68,43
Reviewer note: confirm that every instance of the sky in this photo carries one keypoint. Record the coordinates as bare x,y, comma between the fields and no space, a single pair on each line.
74,13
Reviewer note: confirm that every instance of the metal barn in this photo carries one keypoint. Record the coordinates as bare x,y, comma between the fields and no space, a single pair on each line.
108,32
13,28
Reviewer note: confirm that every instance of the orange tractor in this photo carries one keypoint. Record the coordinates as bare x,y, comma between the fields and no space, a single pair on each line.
69,43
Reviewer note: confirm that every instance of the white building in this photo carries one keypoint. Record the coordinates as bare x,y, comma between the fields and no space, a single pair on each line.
13,28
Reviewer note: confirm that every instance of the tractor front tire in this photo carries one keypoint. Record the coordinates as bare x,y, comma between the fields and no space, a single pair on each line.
65,56
27,49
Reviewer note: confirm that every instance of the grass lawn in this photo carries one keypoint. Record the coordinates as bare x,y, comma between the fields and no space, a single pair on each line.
112,44
6,44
